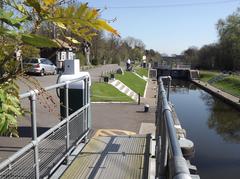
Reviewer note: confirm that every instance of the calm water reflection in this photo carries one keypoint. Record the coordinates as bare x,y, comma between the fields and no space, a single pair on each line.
213,126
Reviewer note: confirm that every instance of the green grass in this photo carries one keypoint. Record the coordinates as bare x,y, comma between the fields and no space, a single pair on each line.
207,75
103,92
142,71
230,84
133,82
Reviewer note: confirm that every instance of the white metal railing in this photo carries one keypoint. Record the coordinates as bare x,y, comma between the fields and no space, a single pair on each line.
45,153
169,158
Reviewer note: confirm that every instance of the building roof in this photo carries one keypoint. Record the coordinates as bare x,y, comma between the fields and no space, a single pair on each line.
63,44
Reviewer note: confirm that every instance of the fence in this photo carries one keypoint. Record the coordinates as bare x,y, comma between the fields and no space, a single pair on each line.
45,153
169,158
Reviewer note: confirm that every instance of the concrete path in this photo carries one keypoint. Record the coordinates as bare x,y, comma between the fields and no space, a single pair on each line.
48,114
95,73
128,117
150,99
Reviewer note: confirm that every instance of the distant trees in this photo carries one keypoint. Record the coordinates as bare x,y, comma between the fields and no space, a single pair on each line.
112,49
224,55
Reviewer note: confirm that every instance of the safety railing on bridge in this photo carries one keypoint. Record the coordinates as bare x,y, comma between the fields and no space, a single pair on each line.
170,162
45,153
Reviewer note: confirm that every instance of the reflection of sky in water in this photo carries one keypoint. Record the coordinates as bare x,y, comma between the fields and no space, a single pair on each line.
213,127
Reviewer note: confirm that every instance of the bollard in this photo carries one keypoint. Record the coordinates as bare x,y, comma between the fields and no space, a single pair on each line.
139,98
146,108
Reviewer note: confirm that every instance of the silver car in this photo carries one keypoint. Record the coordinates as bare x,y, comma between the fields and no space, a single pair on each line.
40,66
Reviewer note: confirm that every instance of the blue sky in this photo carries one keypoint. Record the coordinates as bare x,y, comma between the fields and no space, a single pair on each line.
168,26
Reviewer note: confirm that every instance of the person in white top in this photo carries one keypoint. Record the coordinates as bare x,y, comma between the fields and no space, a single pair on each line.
128,64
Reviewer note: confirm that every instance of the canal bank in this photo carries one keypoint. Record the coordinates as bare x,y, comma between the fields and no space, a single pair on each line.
226,97
213,125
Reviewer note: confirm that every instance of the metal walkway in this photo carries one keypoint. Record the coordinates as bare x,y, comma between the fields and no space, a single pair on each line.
112,157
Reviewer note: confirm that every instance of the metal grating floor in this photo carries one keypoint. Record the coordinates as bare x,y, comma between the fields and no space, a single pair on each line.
112,157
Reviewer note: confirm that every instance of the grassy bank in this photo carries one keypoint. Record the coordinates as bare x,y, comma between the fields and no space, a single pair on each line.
142,71
229,84
207,75
133,82
103,92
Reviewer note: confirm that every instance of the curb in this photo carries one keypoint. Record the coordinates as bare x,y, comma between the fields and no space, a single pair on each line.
111,102
145,91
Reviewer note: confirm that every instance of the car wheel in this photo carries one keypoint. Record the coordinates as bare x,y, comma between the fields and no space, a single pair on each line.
42,72
55,71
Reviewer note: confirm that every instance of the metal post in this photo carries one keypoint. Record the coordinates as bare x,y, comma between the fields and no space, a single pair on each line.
34,132
85,102
67,114
169,85
139,98
164,146
157,133
89,107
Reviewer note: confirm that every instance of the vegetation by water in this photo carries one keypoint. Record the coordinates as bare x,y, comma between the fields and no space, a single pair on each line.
207,75
133,82
103,92
223,55
227,83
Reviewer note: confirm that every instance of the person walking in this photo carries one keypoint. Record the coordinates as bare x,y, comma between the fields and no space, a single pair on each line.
128,64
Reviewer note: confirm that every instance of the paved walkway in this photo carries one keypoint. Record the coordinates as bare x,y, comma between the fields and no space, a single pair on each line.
95,73
111,122
45,118
126,117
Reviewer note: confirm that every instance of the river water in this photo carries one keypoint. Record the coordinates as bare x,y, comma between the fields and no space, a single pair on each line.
213,126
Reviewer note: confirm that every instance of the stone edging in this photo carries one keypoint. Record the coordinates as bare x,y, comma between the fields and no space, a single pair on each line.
228,98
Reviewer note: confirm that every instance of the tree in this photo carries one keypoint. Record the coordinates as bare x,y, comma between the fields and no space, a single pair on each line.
191,57
22,28
229,39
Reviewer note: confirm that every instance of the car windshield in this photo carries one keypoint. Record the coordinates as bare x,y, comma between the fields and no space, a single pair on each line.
34,60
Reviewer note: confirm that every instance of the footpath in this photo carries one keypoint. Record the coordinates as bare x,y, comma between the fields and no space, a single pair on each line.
116,118
110,118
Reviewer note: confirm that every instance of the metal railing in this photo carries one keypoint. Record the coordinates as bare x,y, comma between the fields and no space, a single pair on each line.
169,158
45,153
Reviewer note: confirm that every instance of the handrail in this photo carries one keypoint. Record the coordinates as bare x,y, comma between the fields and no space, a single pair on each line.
60,129
62,84
166,132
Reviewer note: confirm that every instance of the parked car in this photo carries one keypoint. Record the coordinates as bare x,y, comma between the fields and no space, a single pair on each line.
41,66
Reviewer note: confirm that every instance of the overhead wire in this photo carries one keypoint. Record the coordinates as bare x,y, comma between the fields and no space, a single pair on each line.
172,5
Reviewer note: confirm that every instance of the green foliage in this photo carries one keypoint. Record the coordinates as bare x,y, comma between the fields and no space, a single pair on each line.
207,75
81,57
37,41
103,92
30,51
95,61
224,55
133,82
21,23
9,108
229,84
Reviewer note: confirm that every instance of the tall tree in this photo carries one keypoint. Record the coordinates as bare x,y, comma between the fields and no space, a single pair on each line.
229,31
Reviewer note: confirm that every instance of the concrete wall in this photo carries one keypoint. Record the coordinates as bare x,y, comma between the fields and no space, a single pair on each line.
174,73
